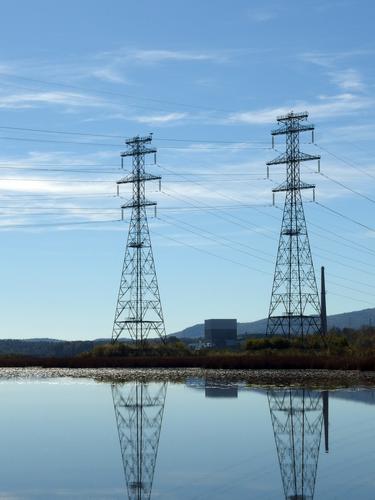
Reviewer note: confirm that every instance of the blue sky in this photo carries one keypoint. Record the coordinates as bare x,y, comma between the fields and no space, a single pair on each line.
208,79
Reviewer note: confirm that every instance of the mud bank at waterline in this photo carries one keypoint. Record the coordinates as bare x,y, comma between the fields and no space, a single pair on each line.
290,378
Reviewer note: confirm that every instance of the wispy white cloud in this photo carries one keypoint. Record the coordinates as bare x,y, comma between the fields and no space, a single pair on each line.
354,132
330,59
161,119
349,80
324,107
261,14
33,99
109,74
153,56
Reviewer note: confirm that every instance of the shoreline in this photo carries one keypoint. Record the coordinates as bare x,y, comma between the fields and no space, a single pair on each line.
316,378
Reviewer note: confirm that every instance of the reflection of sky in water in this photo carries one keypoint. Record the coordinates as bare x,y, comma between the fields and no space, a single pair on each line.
60,440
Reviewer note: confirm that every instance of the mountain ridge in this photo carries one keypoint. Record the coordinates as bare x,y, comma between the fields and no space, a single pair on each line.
352,319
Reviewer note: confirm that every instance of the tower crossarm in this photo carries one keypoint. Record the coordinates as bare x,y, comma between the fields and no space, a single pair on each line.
134,178
135,204
138,151
295,127
288,186
286,158
132,141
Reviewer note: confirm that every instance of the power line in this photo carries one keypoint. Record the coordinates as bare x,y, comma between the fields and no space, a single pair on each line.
351,298
211,253
216,238
353,244
223,215
51,224
343,160
342,256
339,214
54,141
112,136
54,195
69,170
335,261
117,94
117,146
56,208
33,179
221,194
351,281
347,187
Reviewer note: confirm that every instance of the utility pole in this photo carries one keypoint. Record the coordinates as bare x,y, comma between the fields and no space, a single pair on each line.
138,313
294,308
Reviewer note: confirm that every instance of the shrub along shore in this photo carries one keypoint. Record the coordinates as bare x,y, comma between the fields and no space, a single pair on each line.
345,350
214,361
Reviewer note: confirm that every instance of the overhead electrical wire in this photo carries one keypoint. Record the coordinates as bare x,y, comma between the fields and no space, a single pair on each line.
187,180
339,214
348,258
365,271
346,265
214,237
225,196
112,136
343,160
348,188
61,223
118,146
108,92
352,244
211,253
351,298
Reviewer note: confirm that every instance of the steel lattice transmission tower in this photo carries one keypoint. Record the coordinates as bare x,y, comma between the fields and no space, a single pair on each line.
138,313
297,417
294,308
139,409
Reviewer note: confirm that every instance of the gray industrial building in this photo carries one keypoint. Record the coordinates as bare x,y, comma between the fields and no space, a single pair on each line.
220,390
221,332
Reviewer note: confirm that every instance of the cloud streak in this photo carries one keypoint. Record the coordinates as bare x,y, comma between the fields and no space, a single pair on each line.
155,56
34,99
161,119
325,107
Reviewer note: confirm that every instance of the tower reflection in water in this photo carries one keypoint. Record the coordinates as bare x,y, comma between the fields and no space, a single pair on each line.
298,417
139,411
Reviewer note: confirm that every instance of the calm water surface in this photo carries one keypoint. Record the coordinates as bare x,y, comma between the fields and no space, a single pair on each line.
79,439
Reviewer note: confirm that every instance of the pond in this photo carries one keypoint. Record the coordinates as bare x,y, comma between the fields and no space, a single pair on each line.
79,438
